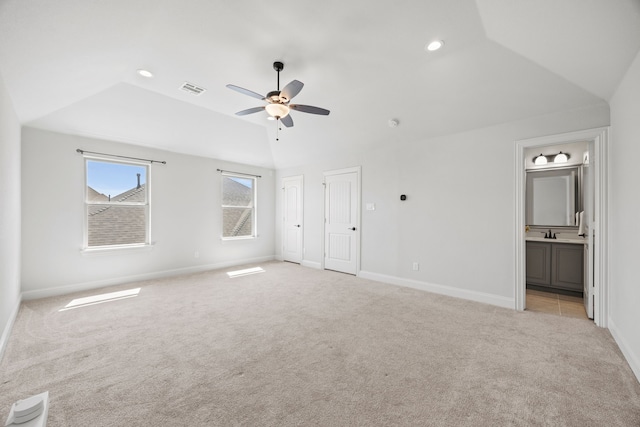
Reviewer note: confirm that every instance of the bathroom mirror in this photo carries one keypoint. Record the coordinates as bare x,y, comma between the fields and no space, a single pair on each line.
553,197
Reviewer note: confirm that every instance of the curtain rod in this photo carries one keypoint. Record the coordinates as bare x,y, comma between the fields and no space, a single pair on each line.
122,157
239,173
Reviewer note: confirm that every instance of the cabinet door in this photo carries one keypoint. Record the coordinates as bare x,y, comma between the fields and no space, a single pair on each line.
539,263
567,265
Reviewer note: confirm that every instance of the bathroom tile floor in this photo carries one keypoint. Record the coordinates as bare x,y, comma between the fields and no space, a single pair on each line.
560,305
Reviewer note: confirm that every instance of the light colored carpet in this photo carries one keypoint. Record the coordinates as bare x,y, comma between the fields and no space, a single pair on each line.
300,347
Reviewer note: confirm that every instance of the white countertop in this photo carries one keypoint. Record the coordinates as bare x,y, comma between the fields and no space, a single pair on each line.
577,241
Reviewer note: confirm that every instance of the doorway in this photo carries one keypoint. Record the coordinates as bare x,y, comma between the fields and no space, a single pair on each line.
342,220
596,292
292,218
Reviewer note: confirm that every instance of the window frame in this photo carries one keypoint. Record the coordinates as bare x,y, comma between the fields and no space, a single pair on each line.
254,208
87,204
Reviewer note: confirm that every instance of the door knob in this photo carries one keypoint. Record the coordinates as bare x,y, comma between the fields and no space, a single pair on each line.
352,228
297,225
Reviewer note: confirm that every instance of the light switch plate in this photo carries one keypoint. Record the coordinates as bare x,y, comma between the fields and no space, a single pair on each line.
371,206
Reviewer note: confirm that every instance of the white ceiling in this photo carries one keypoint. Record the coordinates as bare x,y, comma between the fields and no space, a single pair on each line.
70,66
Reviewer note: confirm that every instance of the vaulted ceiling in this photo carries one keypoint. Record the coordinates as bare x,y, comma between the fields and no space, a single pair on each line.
70,66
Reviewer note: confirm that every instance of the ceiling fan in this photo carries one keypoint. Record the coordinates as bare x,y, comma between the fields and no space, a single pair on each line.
278,101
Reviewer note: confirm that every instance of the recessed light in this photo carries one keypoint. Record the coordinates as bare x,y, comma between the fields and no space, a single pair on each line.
145,73
434,45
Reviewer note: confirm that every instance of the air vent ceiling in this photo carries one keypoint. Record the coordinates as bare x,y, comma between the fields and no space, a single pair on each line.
192,89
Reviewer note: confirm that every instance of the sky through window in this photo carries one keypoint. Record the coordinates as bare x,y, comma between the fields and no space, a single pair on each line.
114,178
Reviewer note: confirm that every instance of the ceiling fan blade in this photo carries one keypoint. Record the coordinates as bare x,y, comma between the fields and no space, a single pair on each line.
309,109
291,90
246,91
249,111
287,121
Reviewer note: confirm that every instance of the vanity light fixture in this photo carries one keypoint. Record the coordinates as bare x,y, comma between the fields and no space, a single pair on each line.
543,159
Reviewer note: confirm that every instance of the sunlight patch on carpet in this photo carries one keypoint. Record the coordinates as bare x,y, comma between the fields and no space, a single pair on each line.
102,298
245,272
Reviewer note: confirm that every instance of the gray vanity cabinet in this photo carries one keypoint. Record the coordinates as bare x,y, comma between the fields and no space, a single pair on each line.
567,266
539,263
555,265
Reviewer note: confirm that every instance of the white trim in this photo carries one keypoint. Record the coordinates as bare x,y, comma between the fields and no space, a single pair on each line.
63,290
6,333
601,229
238,238
519,180
358,171
311,264
466,294
116,249
600,137
625,348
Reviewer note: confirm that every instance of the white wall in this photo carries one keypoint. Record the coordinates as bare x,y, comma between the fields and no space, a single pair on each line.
9,214
458,220
185,217
624,286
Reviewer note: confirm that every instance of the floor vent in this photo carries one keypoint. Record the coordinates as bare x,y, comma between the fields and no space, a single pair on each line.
192,89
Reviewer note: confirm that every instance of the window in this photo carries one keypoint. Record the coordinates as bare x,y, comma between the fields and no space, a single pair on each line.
116,203
238,206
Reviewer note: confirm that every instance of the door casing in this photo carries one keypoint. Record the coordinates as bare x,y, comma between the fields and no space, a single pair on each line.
600,139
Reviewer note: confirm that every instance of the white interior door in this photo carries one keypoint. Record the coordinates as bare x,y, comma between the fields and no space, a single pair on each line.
589,211
292,226
342,212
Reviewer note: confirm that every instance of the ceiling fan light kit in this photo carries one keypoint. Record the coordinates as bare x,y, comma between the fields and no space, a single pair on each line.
277,110
278,107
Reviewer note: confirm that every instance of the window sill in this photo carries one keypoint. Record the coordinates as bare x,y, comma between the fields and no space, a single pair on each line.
238,239
107,250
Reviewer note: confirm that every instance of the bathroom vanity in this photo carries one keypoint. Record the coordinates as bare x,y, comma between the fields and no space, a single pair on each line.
556,263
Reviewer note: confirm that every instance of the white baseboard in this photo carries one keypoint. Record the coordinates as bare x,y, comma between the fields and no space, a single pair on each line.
632,358
441,289
63,290
6,333
311,264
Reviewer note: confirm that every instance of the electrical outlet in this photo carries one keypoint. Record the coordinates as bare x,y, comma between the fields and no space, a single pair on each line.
196,254
416,266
